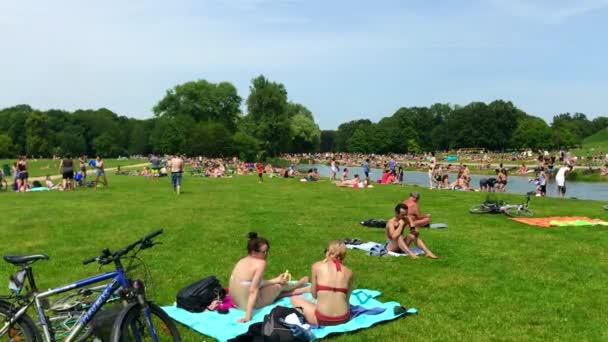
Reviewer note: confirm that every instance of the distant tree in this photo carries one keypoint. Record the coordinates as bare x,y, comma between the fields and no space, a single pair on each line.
37,135
170,134
7,149
245,146
306,134
294,109
346,131
533,133
209,139
328,139
202,101
267,108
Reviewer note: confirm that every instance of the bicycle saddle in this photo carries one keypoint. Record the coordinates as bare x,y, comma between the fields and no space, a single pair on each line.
24,259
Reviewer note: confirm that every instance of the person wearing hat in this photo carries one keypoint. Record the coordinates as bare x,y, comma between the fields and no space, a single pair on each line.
418,220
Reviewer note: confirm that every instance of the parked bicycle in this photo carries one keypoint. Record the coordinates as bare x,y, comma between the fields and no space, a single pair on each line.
513,210
73,317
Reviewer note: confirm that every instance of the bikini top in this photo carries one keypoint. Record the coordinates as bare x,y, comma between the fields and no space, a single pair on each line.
320,287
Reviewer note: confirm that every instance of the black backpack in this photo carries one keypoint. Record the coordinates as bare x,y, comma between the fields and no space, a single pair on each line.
273,330
197,296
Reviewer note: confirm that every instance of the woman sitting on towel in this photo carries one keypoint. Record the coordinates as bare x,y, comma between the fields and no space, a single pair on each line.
248,288
331,286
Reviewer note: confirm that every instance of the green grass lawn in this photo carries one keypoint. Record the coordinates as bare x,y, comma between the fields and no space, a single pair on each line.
495,279
599,141
43,167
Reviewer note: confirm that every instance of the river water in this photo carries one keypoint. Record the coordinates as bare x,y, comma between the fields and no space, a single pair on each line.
516,184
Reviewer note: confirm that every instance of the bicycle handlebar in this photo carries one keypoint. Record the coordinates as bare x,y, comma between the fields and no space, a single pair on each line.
106,257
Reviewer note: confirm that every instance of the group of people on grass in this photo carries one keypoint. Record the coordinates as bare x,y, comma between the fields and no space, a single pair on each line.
70,175
330,282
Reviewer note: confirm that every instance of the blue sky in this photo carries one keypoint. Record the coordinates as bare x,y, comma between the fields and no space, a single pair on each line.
344,60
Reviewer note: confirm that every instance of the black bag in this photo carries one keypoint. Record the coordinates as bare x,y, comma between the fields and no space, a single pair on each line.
273,330
196,297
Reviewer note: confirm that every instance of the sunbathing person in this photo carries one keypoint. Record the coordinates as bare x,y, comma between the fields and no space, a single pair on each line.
248,288
396,229
418,220
331,287
352,183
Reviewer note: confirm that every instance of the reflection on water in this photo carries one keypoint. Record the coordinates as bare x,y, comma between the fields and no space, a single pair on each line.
516,184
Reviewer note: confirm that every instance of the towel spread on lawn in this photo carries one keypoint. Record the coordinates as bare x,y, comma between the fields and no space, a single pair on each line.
371,246
561,221
224,327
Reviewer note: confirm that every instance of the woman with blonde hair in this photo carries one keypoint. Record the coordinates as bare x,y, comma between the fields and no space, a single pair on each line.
331,286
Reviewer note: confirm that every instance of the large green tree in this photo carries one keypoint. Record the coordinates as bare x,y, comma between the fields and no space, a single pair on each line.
37,134
7,149
202,101
268,110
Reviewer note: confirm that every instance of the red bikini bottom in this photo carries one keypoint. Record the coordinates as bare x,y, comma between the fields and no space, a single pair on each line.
328,320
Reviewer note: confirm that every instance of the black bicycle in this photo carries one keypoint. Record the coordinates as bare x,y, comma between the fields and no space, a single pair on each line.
497,207
76,316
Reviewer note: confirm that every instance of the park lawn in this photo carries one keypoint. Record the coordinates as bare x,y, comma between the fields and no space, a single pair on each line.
495,279
43,167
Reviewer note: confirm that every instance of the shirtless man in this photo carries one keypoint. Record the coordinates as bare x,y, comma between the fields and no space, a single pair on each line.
418,220
395,228
177,169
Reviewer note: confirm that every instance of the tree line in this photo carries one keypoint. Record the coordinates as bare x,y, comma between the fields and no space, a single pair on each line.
204,118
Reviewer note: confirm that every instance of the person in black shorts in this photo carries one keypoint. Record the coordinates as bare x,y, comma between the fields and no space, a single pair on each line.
66,167
487,184
23,174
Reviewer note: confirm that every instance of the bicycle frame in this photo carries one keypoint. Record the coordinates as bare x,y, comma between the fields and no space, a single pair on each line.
118,279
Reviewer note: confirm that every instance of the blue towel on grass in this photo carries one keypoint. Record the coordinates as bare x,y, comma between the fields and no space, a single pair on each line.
224,327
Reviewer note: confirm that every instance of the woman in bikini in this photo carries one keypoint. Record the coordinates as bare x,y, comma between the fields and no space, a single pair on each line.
331,286
249,290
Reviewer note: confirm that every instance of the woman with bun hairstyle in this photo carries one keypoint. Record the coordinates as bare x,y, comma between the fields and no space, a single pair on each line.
331,286
248,288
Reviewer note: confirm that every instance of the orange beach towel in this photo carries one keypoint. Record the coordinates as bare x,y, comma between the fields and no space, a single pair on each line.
559,221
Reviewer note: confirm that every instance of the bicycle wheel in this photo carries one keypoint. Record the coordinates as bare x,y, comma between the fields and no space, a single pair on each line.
519,212
24,329
480,209
131,325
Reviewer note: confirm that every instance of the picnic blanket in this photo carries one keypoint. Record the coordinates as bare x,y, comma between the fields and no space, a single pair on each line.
369,246
224,327
560,221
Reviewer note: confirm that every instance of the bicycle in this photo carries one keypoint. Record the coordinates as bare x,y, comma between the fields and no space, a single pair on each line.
512,210
137,319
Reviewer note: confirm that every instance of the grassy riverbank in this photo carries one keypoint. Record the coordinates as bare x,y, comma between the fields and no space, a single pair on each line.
495,280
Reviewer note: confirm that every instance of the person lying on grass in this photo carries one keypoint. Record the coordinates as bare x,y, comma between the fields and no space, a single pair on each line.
396,229
331,287
350,182
248,288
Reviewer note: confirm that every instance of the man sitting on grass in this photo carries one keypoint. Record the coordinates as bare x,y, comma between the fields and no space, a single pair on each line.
418,220
395,228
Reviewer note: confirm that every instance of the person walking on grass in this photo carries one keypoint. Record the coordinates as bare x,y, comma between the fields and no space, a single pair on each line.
432,163
100,172
66,168
260,167
177,170
23,174
560,179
